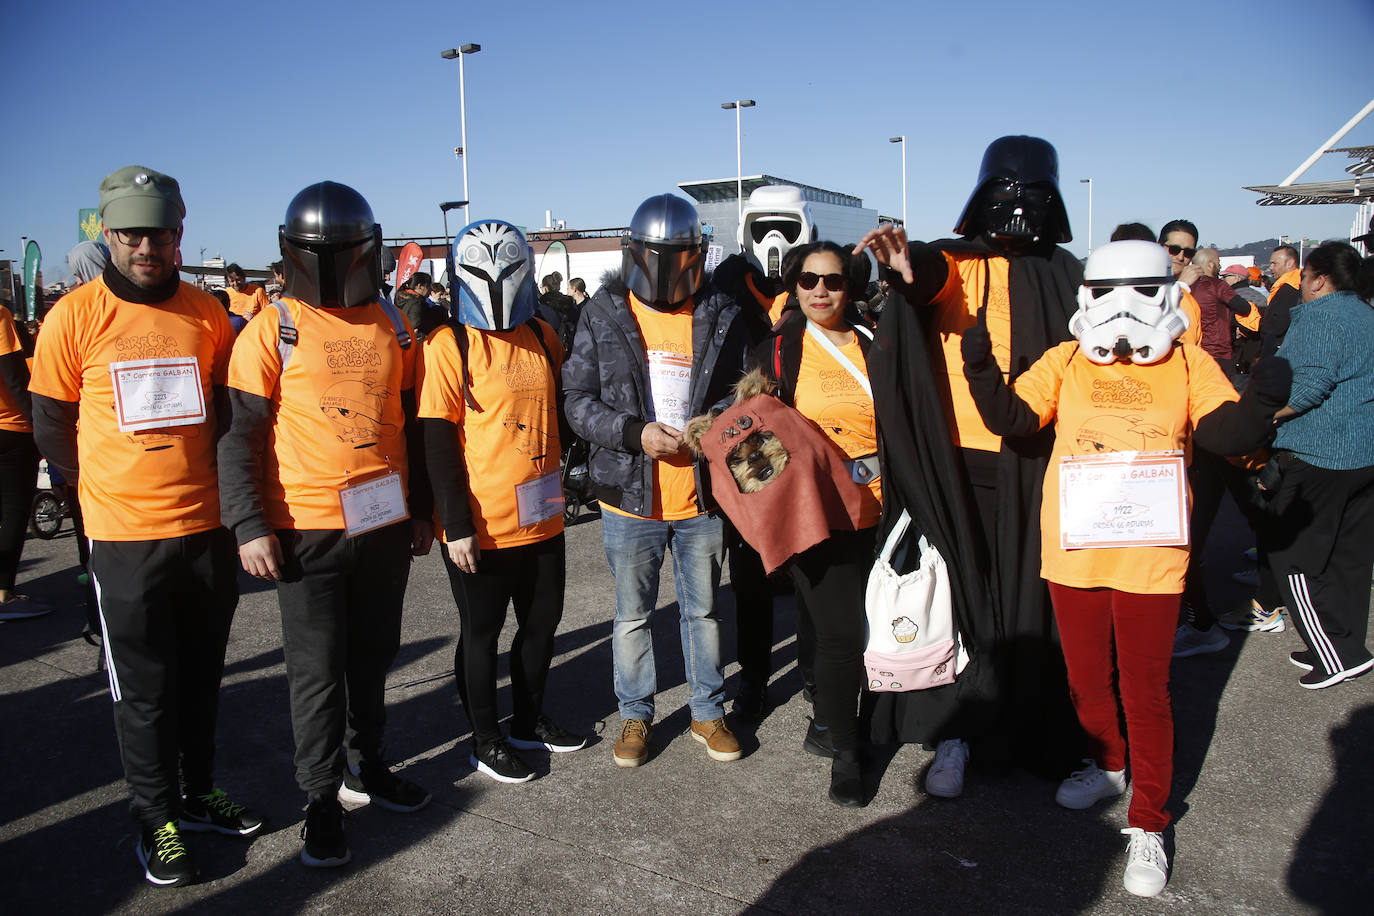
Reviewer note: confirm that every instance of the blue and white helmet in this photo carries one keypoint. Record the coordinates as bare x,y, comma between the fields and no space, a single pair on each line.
494,271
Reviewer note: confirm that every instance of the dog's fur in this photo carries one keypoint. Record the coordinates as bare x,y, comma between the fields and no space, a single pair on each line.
760,456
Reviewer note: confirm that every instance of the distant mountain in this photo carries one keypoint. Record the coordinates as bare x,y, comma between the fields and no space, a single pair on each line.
1261,250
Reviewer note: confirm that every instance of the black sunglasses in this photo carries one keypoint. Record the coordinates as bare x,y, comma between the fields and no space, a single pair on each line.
134,237
1187,252
833,282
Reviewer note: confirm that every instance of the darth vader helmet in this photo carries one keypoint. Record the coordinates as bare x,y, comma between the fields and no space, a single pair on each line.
776,220
495,276
331,247
1128,305
1017,200
663,257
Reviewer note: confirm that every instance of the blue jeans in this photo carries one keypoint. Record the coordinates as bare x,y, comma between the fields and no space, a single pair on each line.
635,548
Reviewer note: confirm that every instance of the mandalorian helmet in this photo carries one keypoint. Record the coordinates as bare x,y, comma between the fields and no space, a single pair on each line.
1017,198
776,220
663,258
1128,305
495,276
331,248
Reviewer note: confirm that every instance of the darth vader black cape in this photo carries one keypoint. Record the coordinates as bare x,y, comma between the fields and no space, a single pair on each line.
1011,701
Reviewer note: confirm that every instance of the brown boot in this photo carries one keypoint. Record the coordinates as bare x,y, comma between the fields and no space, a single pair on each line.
720,742
632,748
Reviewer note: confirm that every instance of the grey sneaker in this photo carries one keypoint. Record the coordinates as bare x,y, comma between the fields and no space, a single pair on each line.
1087,786
946,776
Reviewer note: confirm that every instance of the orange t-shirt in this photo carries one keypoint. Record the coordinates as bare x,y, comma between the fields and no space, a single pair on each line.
512,442
956,310
248,303
1190,307
1251,319
830,396
10,416
338,411
667,340
150,484
773,305
1119,407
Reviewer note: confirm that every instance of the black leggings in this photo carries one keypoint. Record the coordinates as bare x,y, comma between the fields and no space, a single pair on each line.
830,578
530,577
18,480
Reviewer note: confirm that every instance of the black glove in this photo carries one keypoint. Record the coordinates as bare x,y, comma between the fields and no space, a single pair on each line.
976,346
1272,380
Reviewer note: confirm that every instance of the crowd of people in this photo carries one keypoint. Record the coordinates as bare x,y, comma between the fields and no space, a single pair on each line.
319,435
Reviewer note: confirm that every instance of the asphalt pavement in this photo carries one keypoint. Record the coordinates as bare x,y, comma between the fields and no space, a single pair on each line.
1273,788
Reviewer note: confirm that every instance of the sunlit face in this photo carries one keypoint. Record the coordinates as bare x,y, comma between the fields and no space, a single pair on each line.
1179,239
1279,264
146,257
236,282
822,305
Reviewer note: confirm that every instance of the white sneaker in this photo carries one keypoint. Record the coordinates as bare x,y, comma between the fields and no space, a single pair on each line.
946,776
1147,867
1087,786
1189,640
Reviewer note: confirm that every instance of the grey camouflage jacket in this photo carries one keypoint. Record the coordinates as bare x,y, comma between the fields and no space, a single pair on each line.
606,386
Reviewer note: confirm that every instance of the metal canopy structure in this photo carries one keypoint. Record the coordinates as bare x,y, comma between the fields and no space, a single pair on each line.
727,189
1354,190
1358,189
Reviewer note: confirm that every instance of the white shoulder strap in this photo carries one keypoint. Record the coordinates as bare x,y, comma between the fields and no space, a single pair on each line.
815,334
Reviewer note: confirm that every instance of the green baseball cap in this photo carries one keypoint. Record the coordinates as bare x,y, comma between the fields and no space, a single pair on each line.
136,197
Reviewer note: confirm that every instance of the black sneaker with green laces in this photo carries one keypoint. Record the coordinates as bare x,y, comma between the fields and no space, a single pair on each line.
326,844
164,858
215,811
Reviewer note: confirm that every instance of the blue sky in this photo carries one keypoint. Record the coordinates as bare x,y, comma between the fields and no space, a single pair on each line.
588,108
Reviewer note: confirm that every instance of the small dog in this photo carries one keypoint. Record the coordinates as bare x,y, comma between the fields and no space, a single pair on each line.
759,457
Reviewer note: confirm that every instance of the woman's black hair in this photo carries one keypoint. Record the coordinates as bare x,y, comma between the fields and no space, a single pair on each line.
1136,231
1339,263
1178,225
857,268
1366,288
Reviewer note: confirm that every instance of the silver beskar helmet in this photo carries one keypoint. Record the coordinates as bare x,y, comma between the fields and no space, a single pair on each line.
495,275
664,256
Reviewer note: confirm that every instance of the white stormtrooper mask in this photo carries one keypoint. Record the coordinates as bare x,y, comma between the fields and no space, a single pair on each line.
1128,305
495,276
776,220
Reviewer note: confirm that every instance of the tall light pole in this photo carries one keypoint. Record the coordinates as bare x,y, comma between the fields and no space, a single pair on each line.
902,140
1089,183
737,104
462,150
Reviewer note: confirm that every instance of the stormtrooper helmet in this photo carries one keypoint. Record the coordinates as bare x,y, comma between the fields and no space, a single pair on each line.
1128,305
495,276
776,220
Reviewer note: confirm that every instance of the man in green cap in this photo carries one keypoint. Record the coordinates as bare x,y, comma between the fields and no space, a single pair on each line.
140,359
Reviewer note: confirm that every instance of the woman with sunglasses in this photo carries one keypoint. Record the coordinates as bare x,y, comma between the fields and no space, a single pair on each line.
1320,533
817,354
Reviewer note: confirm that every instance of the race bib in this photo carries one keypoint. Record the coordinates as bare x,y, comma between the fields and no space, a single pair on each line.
539,499
1123,499
374,504
157,393
670,385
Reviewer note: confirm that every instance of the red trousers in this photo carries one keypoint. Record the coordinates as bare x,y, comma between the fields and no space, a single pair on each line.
1093,621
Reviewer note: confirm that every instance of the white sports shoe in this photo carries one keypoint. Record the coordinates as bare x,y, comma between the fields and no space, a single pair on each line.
946,776
1147,867
1087,786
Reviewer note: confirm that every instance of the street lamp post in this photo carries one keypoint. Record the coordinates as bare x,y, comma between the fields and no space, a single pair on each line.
1089,183
450,54
737,104
902,140
448,246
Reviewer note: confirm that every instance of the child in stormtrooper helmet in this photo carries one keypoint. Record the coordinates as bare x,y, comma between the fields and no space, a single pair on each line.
1128,400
